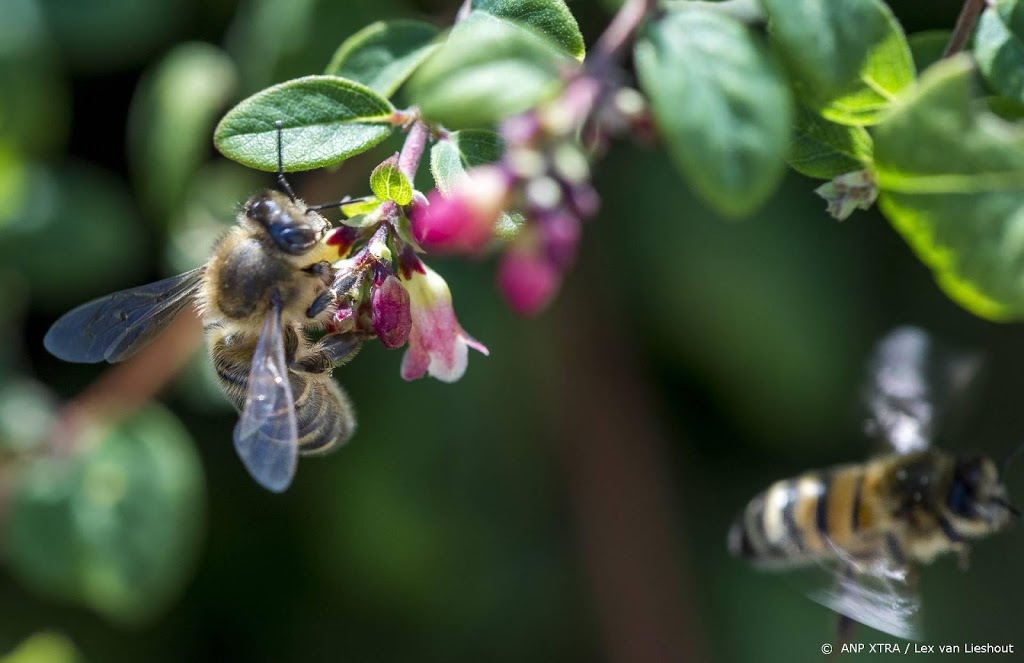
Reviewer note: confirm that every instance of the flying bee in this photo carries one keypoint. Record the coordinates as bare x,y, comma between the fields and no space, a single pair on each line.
873,522
255,297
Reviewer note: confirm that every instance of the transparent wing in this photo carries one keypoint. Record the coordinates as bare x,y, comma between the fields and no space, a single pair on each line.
266,436
879,594
115,327
911,383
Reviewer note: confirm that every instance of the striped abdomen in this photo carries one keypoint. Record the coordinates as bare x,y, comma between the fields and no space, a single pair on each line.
323,412
808,517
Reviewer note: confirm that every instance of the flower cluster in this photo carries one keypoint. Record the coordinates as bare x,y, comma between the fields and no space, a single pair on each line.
544,173
383,289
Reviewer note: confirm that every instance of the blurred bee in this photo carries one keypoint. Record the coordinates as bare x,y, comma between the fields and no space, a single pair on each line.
873,521
256,298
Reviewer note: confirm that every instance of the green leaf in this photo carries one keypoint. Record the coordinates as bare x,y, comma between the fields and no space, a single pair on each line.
824,149
389,183
952,183
720,103
174,108
116,528
360,207
927,47
489,68
384,54
999,49
44,647
325,120
551,18
451,156
849,59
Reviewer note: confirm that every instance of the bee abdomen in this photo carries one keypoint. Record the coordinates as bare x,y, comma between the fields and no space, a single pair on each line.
787,524
324,415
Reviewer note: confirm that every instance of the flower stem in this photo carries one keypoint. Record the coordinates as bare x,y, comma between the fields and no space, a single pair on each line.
412,150
620,32
964,26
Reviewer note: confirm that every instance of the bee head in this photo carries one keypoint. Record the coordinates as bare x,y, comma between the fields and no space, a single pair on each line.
976,494
293,229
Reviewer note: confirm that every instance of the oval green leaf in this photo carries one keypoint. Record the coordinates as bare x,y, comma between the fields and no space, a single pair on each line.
489,68
389,183
823,149
720,103
551,18
384,54
849,59
325,120
952,183
999,48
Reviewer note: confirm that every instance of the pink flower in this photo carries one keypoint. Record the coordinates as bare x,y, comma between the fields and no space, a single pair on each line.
462,219
390,312
527,278
438,345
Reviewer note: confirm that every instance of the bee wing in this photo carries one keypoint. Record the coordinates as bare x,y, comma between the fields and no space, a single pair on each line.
911,383
879,595
116,326
266,436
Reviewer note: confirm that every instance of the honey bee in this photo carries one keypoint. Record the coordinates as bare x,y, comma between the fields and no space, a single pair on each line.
265,285
874,521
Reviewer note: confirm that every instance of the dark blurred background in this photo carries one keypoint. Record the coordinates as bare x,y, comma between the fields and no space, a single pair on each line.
567,500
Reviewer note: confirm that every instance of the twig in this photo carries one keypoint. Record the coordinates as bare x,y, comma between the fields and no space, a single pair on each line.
964,26
620,32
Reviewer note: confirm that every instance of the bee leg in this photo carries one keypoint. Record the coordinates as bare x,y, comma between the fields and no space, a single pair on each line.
329,352
321,303
963,553
323,270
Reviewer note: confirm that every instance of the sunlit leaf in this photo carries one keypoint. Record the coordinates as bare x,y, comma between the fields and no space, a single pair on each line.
325,120
952,183
489,68
44,647
384,54
389,183
720,104
551,18
850,58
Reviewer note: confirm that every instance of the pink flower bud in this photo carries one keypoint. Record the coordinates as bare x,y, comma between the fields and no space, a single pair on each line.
462,221
390,313
527,279
560,234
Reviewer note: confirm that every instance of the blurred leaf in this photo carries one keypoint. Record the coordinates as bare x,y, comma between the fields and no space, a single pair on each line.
999,49
551,18
489,68
211,204
823,149
389,183
14,182
85,217
44,647
850,58
325,120
452,155
952,183
384,54
27,411
101,35
173,111
927,47
116,528
1008,109
360,207
34,109
725,120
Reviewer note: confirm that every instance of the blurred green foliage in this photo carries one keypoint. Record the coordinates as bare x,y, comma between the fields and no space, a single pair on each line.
448,530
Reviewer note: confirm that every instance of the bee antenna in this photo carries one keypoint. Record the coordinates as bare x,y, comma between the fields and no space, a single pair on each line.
337,203
280,164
